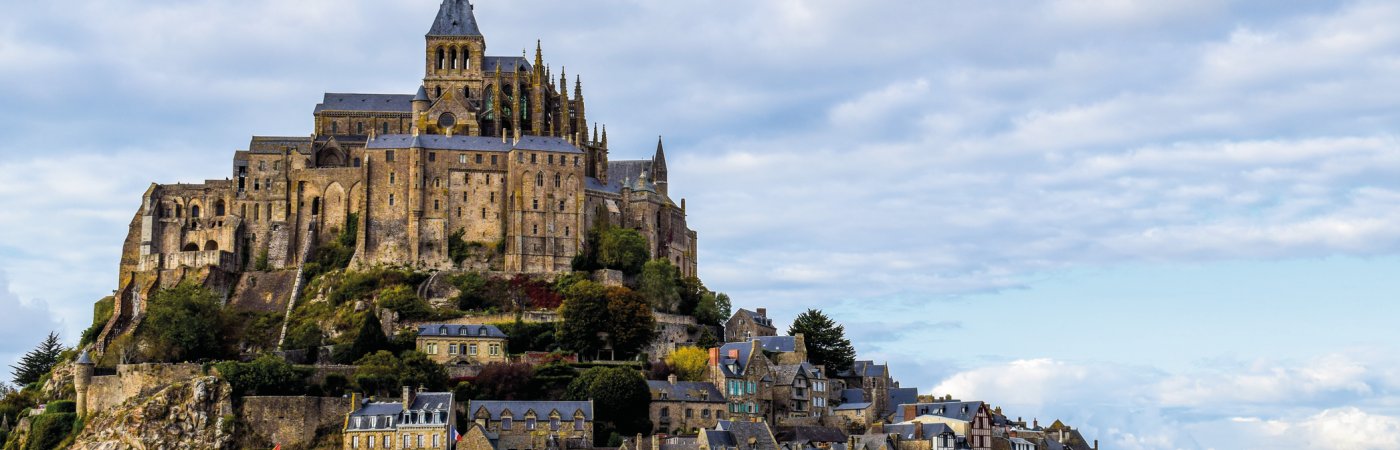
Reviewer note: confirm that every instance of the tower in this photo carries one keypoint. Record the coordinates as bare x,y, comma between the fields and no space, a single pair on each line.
455,52
82,376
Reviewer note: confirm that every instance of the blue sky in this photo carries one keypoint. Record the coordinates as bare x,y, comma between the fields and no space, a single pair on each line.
1172,224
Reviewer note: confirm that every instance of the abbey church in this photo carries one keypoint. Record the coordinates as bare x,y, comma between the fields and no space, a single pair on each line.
494,149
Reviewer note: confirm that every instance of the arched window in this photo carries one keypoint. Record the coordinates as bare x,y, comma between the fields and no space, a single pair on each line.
466,57
441,58
556,180
211,246
437,91
315,205
219,208
453,54
194,211
190,247
539,179
467,92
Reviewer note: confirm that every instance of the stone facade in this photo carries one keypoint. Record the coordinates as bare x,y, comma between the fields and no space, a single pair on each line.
417,420
290,421
463,344
744,376
687,406
745,325
534,425
492,148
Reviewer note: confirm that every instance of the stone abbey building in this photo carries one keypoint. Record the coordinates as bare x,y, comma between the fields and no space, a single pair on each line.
496,148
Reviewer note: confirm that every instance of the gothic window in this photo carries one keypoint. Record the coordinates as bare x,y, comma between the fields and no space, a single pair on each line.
453,55
441,58
561,206
556,180
539,179
194,212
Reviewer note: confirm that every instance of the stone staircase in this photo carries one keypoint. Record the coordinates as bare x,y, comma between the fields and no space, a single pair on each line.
300,280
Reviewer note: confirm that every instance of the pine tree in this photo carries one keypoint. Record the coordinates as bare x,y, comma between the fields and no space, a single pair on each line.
38,361
826,340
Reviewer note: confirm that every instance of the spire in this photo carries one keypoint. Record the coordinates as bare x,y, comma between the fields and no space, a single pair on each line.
539,55
595,132
605,135
455,18
578,86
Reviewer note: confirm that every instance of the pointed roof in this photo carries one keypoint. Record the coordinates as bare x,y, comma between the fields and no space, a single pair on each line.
83,358
422,95
658,160
455,18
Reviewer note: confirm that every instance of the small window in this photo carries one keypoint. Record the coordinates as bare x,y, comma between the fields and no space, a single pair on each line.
536,203
478,159
561,206
262,165
556,180
535,229
551,160
483,213
437,182
391,178
277,165
357,162
566,231
578,423
534,158
335,127
391,199
389,155
432,156
575,161
493,162
436,205
385,127
359,128
493,196
488,176
462,158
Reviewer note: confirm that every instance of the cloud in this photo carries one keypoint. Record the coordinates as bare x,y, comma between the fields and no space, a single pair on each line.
23,325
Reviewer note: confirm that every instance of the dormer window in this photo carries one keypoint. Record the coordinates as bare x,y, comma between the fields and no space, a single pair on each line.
442,330
481,331
505,423
462,331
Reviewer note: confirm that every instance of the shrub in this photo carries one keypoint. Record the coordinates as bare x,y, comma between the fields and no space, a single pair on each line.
101,312
403,300
61,406
48,430
183,324
267,375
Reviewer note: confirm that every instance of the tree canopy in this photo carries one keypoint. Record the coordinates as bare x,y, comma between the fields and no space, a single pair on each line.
38,361
826,340
183,324
590,308
659,284
620,398
689,363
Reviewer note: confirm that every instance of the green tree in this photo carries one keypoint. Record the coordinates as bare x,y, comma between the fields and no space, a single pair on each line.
369,339
723,307
623,249
505,381
707,310
457,247
826,340
689,363
692,292
37,362
183,324
590,309
402,299
657,284
620,398
421,371
306,336
101,312
471,291
267,375
378,373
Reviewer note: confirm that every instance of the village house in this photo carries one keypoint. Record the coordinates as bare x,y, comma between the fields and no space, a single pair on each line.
684,407
738,435
745,376
970,420
799,392
745,325
418,420
534,425
463,344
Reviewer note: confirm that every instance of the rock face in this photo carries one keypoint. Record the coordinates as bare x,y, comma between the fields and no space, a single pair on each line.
193,413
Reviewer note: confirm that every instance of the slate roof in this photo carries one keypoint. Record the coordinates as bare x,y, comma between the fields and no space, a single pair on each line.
455,18
851,406
783,344
786,374
366,102
961,411
810,434
906,430
627,171
739,434
852,396
428,409
519,408
901,396
743,348
865,369
275,144
83,358
475,143
757,318
508,64
461,330
688,391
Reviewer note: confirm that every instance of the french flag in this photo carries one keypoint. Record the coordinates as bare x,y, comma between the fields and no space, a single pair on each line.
456,437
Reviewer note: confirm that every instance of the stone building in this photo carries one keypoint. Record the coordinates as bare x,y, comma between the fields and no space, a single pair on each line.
418,420
738,435
534,425
494,150
800,394
745,377
463,344
684,406
745,325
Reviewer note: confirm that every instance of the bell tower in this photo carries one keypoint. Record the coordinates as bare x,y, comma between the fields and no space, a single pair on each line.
455,53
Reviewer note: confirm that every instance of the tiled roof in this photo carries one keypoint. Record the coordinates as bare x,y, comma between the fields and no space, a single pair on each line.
689,391
810,434
749,435
906,430
460,330
786,374
428,409
507,64
541,408
335,101
741,363
852,406
783,344
900,396
852,395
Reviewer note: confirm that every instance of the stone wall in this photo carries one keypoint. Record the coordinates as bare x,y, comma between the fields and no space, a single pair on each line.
263,291
291,421
132,380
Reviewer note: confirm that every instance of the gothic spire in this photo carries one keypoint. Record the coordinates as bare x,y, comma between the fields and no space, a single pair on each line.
455,18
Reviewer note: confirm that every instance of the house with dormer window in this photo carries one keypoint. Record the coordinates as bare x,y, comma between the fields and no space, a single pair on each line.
463,344
418,420
530,425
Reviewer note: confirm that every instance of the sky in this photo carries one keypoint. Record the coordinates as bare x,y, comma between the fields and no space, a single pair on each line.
1171,224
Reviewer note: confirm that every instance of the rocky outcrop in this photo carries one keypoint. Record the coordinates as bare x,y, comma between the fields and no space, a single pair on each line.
192,413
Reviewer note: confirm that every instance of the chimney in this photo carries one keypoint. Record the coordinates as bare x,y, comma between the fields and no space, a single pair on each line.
909,412
733,353
1096,444
763,312
918,430
801,344
407,397
1035,424
671,379
714,356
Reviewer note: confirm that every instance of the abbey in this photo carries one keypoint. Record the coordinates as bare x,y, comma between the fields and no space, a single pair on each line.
492,148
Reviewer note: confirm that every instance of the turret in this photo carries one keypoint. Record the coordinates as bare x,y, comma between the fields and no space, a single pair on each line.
82,378
420,105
